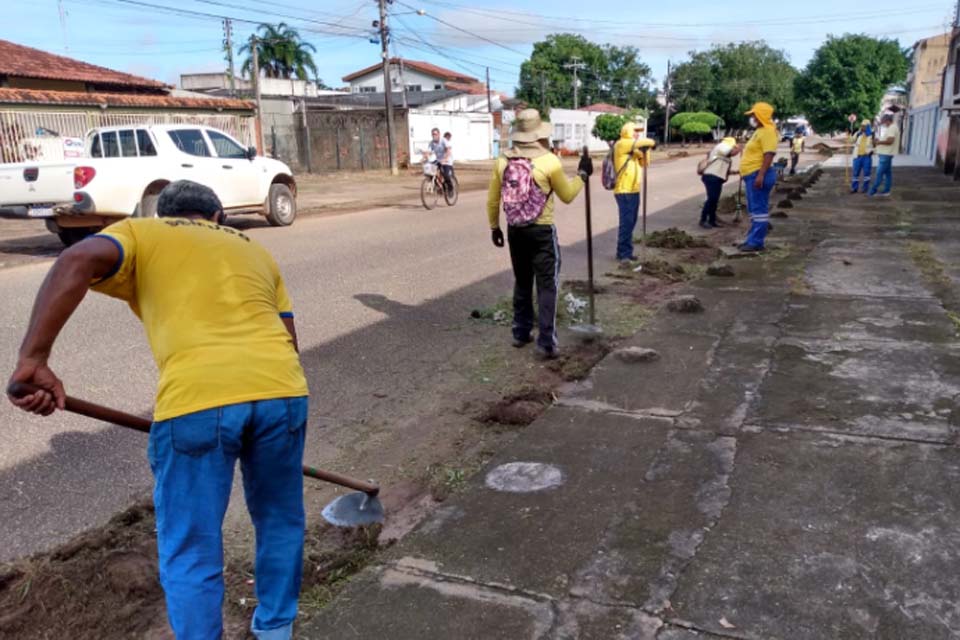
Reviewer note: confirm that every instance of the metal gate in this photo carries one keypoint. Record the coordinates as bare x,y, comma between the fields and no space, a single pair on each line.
39,135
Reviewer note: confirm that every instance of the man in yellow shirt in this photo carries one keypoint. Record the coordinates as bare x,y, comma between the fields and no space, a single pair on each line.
220,325
758,180
862,157
525,180
629,158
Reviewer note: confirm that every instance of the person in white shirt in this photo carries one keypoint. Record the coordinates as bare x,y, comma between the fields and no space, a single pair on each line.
715,172
887,146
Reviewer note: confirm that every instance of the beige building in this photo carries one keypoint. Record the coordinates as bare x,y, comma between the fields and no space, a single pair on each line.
925,77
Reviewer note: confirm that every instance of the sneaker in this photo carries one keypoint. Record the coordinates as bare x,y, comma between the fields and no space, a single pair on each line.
746,248
885,194
545,353
521,342
705,225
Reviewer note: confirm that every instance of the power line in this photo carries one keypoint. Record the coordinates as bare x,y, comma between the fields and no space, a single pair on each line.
469,33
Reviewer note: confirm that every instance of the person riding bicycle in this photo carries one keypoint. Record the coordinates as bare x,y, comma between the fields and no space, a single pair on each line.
446,162
439,150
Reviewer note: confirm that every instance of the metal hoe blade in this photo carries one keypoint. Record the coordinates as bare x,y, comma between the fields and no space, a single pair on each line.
353,510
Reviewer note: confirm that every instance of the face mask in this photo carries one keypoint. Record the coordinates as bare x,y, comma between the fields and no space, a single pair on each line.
754,122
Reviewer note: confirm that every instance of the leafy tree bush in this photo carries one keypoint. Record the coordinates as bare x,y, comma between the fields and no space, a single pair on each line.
848,75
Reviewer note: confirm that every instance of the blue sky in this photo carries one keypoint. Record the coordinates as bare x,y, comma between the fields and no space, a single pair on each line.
160,44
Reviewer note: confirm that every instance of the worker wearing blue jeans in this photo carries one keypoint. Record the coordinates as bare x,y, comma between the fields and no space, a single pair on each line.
884,174
220,324
192,458
888,144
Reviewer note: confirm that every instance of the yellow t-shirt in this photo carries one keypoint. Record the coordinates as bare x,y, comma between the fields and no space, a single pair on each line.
549,176
764,140
211,302
797,145
628,162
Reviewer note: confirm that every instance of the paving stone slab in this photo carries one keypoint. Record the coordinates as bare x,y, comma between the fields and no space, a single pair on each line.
832,537
400,605
882,269
881,388
858,318
539,541
664,386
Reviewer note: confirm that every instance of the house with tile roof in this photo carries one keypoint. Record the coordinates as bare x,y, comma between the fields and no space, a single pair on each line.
47,98
410,75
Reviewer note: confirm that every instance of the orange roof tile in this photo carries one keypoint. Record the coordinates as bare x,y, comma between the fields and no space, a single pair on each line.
18,60
135,100
603,107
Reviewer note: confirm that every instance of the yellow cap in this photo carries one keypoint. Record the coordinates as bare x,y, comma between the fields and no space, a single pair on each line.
763,112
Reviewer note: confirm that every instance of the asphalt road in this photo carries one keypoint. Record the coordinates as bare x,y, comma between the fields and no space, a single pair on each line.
375,293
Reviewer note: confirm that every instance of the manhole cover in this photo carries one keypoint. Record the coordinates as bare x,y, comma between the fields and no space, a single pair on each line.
524,477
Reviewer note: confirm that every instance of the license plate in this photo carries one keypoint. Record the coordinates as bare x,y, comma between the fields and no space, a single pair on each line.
40,212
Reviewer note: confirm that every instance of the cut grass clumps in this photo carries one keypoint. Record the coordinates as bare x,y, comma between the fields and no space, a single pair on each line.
674,238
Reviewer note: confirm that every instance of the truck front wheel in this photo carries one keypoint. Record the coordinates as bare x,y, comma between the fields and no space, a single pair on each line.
70,236
281,206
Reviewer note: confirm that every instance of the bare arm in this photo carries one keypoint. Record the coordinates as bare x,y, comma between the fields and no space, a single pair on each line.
60,294
292,330
767,161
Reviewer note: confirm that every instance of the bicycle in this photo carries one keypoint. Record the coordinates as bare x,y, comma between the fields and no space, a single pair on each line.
433,185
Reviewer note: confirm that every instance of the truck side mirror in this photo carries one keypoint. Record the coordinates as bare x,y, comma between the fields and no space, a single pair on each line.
251,153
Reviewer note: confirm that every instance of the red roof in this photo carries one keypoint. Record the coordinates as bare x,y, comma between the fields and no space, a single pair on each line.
135,100
26,62
603,107
423,67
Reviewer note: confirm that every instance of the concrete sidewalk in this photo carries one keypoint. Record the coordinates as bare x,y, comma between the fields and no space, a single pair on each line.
786,469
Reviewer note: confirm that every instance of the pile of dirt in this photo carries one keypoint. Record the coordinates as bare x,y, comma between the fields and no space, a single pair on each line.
519,409
103,584
582,287
663,270
674,238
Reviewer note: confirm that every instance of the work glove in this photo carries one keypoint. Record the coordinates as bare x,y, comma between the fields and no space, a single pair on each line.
585,168
496,235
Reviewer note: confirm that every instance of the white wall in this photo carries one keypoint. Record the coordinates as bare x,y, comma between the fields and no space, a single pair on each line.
572,129
410,77
472,133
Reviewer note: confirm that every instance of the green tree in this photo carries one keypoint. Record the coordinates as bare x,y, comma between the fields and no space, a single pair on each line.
849,74
281,53
611,74
607,126
695,123
728,79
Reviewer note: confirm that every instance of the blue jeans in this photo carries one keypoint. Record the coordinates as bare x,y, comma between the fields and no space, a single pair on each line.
758,206
192,458
714,186
861,164
884,172
629,205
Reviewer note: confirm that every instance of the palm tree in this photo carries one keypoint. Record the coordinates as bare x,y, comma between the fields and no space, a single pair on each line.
281,53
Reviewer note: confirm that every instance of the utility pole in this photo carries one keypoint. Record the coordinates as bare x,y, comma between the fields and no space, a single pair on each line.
666,118
576,65
384,35
543,94
254,45
403,83
228,45
489,100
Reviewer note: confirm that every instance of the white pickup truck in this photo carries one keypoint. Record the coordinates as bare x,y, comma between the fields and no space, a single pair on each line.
125,168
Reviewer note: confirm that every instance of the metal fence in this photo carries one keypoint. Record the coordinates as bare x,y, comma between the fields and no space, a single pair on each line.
41,135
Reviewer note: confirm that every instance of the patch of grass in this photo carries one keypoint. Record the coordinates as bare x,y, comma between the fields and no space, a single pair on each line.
626,319
500,312
328,571
955,319
447,479
932,269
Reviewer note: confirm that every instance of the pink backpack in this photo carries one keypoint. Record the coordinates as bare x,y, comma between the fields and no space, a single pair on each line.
522,199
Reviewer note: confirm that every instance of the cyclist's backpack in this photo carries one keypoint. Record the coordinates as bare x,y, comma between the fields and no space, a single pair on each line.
523,200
